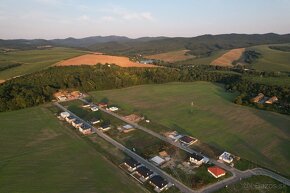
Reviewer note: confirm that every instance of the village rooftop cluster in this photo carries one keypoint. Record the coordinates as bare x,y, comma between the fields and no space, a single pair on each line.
135,169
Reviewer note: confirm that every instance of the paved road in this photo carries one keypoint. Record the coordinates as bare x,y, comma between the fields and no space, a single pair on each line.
265,172
237,175
135,156
177,144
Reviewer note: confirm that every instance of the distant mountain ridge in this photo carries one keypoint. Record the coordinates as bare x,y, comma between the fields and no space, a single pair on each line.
122,45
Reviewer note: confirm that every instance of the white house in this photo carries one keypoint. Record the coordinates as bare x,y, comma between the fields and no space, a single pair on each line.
226,157
64,114
86,106
105,127
76,123
85,129
95,121
157,160
113,109
62,98
159,183
196,159
132,164
94,108
70,119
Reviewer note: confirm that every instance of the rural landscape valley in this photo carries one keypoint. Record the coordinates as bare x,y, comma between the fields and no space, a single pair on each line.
123,97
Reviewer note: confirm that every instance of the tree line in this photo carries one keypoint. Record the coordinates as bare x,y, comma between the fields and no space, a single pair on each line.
37,88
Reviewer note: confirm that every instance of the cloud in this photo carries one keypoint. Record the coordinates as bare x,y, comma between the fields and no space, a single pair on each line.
137,16
49,2
114,12
108,18
84,18
147,15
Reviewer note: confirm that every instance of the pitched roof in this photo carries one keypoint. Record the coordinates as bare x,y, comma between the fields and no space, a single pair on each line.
132,163
196,156
86,126
105,125
158,181
143,171
216,171
158,160
71,117
77,121
186,139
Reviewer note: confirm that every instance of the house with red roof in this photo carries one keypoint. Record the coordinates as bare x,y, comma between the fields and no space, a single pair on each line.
216,171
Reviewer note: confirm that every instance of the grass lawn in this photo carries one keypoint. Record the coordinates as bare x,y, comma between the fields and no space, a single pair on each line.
256,184
271,60
205,111
40,154
34,60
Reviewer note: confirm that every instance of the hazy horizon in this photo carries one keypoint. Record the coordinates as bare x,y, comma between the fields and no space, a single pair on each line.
141,36
57,19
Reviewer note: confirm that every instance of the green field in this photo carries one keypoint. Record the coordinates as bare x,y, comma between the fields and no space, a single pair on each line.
204,110
256,184
271,60
204,60
34,60
40,154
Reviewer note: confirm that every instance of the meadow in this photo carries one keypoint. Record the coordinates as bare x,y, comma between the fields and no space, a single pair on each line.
205,111
206,60
33,60
271,59
38,153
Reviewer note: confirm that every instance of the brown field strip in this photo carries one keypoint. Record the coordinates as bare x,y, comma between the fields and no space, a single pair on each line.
174,56
93,59
228,58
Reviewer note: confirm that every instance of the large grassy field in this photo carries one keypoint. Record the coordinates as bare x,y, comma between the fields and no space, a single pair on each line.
40,154
34,60
204,110
271,60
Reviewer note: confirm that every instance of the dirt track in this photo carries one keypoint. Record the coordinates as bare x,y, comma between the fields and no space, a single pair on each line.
93,59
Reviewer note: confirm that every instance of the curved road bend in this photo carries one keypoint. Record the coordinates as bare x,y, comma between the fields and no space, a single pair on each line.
135,156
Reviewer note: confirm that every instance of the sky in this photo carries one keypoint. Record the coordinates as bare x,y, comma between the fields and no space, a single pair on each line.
49,19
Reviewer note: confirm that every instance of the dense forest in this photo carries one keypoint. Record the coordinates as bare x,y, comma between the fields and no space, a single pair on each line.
247,90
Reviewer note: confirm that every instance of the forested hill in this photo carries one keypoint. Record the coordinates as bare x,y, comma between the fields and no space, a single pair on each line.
120,45
198,46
